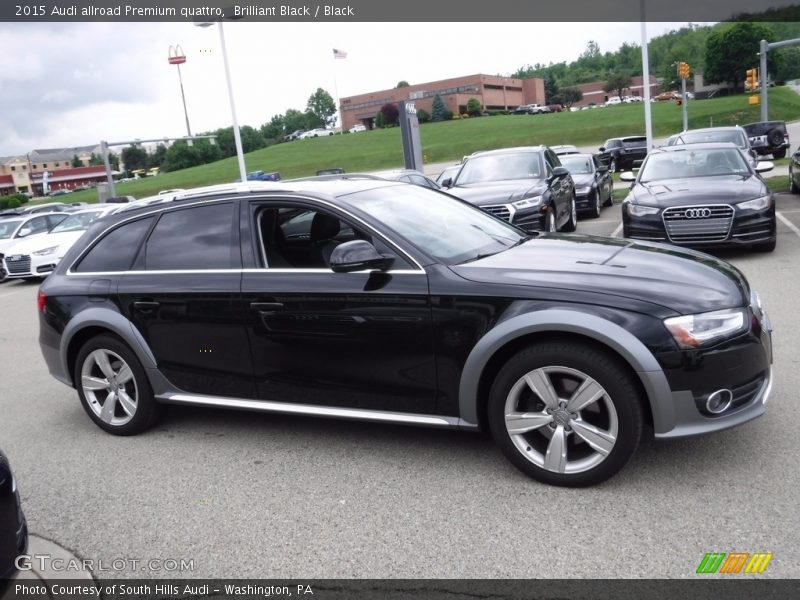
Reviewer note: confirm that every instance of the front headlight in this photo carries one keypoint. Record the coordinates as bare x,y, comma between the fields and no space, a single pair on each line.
45,251
637,210
527,202
693,331
756,203
583,190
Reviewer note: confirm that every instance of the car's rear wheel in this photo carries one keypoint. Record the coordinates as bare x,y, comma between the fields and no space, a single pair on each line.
565,413
792,185
550,221
779,154
113,387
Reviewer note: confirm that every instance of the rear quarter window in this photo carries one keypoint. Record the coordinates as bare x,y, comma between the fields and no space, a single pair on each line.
117,249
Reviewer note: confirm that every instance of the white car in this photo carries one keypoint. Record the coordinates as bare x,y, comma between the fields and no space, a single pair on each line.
37,255
613,101
14,229
315,133
357,127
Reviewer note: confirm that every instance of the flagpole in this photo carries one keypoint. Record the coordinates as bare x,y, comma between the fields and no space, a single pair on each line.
337,54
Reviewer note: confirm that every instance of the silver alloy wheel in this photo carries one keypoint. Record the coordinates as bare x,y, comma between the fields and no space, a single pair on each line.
109,387
613,166
597,204
574,211
561,419
551,221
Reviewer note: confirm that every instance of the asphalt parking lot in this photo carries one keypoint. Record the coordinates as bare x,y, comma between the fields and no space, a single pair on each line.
250,495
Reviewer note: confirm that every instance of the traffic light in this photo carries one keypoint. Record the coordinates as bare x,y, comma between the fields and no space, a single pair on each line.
751,81
683,70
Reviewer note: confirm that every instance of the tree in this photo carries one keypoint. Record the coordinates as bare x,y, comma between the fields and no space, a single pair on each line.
275,129
134,157
571,95
321,105
731,50
423,116
95,160
156,158
294,120
474,108
401,84
380,120
390,113
438,108
551,93
76,162
617,82
180,156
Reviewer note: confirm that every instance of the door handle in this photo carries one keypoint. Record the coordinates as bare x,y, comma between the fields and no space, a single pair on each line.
266,306
146,306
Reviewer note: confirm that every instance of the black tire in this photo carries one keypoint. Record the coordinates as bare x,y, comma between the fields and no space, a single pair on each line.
793,189
145,411
565,359
775,137
610,200
779,154
572,223
766,246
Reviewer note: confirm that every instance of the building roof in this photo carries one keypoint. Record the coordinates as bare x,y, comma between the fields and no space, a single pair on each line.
43,154
72,174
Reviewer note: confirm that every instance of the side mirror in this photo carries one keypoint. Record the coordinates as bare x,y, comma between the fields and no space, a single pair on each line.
627,176
602,148
357,255
447,182
764,166
24,232
559,172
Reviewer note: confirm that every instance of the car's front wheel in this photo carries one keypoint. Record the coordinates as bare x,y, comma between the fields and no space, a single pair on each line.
113,387
572,221
565,413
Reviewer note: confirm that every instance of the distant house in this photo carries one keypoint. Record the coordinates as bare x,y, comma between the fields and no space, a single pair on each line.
24,172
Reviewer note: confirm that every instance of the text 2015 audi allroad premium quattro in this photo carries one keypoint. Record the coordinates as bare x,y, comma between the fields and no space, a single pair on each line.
387,302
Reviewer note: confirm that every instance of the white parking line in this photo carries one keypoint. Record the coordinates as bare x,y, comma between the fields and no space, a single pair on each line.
788,223
616,232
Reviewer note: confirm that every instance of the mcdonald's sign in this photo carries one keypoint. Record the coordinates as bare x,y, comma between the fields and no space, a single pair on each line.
734,563
176,55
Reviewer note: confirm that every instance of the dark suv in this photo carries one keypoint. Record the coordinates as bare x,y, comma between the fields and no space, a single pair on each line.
388,302
768,137
621,154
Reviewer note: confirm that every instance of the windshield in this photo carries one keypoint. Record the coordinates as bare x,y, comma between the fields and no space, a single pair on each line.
577,165
451,231
699,137
77,222
8,227
694,163
498,167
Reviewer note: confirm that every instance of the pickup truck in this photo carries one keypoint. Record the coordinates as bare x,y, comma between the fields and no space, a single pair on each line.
531,109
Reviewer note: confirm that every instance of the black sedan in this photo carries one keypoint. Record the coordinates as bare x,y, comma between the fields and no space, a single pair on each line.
624,152
526,186
13,528
700,195
594,185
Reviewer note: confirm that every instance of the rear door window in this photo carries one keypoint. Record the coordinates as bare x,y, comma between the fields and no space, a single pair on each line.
117,249
194,238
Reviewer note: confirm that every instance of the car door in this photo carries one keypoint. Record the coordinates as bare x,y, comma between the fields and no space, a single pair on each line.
560,188
182,294
358,340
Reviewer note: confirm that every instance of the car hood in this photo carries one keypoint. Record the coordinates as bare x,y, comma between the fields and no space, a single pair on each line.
40,242
723,189
498,192
583,179
683,280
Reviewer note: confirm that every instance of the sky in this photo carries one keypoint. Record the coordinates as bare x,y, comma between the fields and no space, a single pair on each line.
74,84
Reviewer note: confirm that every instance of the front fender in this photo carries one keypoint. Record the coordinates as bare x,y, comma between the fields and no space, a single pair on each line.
621,341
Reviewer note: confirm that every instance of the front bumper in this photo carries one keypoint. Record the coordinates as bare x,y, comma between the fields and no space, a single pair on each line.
26,266
747,227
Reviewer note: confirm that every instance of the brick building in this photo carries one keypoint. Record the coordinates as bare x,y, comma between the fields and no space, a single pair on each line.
24,173
492,91
593,91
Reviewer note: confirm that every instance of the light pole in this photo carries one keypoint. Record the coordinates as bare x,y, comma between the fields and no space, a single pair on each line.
236,135
177,57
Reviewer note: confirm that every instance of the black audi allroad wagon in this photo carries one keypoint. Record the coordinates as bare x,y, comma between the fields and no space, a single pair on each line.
386,302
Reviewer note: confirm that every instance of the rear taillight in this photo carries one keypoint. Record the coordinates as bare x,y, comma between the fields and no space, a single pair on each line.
41,300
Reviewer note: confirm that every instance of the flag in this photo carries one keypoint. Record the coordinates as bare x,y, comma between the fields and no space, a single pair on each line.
339,53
